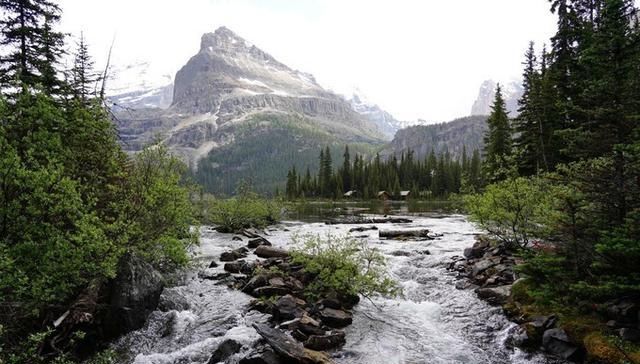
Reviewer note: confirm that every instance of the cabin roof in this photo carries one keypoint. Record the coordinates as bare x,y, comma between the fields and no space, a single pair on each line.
404,193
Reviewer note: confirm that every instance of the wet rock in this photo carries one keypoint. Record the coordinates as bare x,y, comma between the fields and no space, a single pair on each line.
520,338
261,355
495,295
239,266
325,342
400,253
362,228
277,282
477,250
269,291
259,280
233,255
368,220
288,348
254,243
264,251
288,307
483,265
424,252
236,238
225,350
335,318
171,299
624,311
556,342
629,334
261,306
214,276
330,302
305,325
133,295
213,264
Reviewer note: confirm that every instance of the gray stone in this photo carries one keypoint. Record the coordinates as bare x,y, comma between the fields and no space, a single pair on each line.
495,295
335,318
556,342
224,351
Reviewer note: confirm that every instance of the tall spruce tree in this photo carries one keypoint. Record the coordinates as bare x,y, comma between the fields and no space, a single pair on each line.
32,46
497,141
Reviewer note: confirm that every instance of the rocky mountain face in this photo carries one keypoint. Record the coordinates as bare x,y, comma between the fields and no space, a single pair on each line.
511,91
451,136
385,122
231,98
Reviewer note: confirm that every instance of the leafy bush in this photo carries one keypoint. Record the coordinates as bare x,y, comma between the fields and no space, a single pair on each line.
514,210
343,266
244,211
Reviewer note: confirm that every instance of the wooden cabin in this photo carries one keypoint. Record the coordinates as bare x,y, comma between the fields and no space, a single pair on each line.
405,195
384,195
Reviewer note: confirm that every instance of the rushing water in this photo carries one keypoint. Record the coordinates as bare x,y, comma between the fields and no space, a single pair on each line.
433,322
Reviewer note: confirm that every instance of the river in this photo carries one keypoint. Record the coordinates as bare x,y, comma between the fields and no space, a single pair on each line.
432,322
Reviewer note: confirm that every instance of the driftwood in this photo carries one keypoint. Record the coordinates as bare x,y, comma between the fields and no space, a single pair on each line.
368,220
406,234
289,348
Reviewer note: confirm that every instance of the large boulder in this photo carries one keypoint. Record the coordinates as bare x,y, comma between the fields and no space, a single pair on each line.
172,299
557,343
133,295
335,318
288,307
254,243
495,295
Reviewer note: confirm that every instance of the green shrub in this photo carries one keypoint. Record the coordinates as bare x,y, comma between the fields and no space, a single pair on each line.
514,210
343,266
247,210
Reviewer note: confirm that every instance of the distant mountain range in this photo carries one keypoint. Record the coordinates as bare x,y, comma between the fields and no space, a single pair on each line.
452,137
238,113
234,112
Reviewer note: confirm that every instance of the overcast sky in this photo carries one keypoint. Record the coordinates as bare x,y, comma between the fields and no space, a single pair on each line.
416,59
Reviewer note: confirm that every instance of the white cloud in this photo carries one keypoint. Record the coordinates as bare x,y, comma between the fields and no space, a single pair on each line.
417,59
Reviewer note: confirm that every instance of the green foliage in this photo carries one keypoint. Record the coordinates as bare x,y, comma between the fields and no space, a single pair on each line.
343,266
244,211
497,142
514,210
155,213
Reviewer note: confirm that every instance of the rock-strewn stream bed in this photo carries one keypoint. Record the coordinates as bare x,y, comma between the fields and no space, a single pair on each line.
209,317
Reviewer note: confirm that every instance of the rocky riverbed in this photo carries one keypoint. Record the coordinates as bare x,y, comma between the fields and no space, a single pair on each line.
208,316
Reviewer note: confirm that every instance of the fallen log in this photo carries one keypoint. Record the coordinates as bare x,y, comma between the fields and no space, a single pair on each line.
265,251
406,234
368,220
289,348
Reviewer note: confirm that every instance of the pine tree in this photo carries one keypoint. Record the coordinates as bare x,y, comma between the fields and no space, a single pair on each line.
83,78
346,170
497,140
32,45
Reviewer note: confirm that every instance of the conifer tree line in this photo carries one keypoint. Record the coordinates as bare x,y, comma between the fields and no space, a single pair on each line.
72,203
578,131
434,176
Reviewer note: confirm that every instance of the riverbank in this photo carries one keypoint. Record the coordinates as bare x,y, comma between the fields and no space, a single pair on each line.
431,322
608,332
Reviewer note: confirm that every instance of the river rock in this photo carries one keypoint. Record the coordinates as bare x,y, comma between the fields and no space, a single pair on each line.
133,295
288,307
236,238
264,251
171,299
269,291
225,350
331,340
213,264
335,318
254,243
495,295
400,253
258,280
263,354
305,325
483,265
477,250
362,228
239,266
261,306
288,348
556,342
233,255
